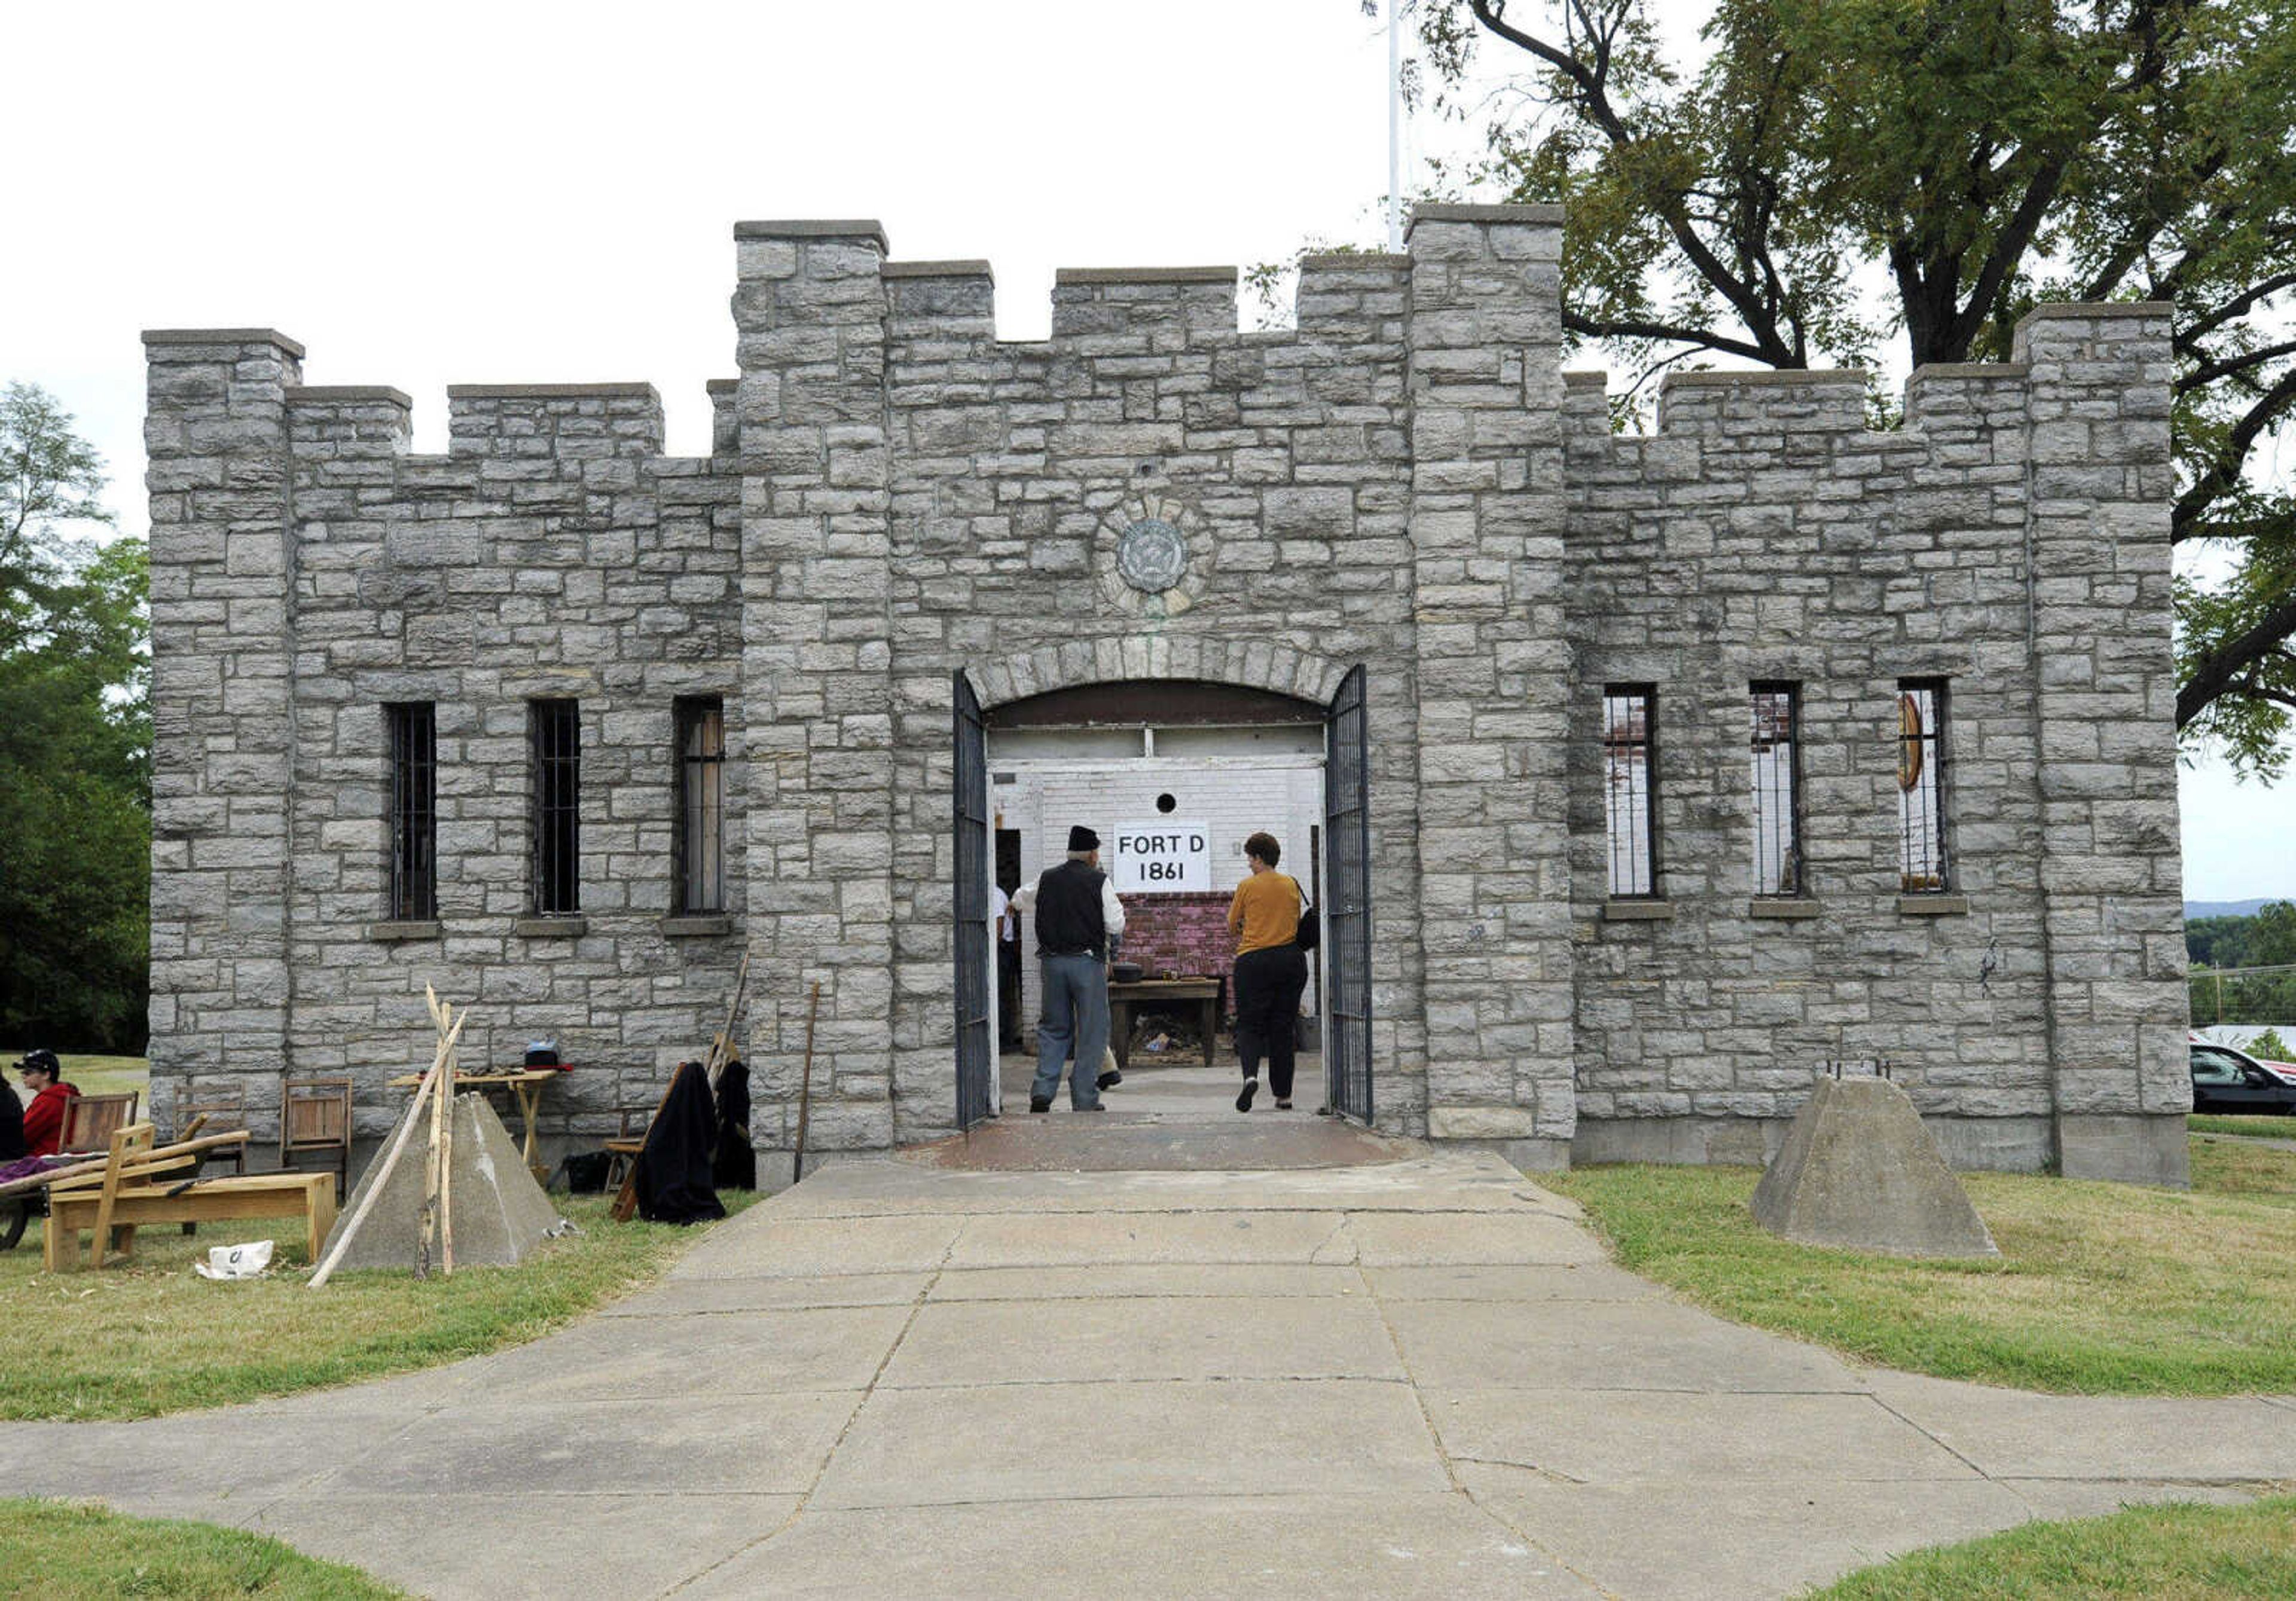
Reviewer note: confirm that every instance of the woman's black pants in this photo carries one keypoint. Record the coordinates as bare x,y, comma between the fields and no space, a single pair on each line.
1268,988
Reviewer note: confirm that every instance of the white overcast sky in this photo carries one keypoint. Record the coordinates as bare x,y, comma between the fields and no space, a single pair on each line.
483,193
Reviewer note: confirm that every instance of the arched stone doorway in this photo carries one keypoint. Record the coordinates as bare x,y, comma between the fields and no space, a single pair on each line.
1056,701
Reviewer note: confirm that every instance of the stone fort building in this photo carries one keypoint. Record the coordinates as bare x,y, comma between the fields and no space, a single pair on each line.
1639,775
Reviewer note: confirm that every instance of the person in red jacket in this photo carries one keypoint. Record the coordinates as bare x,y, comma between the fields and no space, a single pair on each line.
44,1119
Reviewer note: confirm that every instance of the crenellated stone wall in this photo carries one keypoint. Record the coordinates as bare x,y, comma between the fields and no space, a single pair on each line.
1407,482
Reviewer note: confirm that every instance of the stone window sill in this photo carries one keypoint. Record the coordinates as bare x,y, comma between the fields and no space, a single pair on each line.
1793,911
692,925
391,930
1934,905
1637,911
551,928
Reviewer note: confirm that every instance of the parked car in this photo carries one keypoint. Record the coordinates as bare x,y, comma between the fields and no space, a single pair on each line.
2225,1080
2285,1071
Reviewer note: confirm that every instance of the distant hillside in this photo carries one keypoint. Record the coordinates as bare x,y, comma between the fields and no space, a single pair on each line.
2228,909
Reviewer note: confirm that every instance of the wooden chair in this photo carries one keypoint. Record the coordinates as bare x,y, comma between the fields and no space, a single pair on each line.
223,1108
315,1119
623,1149
215,1109
91,1121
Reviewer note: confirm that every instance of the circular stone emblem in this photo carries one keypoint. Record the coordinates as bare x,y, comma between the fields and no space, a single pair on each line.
1151,556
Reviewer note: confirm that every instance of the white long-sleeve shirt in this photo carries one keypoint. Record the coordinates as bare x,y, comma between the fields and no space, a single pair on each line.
1111,910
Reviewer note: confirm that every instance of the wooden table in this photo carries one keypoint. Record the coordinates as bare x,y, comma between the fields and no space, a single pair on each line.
525,1085
1141,992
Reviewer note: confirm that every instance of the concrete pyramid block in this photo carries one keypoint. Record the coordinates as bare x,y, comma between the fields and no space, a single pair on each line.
1860,1170
500,1214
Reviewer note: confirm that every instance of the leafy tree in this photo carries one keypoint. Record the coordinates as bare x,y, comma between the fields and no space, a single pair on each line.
1837,172
2266,940
2218,941
49,478
75,744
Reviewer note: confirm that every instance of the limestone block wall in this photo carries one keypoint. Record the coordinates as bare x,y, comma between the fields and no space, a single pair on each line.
2104,685
1405,483
552,552
1765,533
1486,524
222,649
1284,460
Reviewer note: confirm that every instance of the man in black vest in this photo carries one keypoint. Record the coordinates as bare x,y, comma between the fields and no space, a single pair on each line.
1076,913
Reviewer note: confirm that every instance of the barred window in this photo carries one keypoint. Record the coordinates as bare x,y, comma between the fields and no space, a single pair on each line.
555,730
1630,786
701,844
1777,790
1922,868
414,810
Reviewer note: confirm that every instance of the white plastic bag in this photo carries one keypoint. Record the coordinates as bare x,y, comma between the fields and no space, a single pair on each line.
235,1261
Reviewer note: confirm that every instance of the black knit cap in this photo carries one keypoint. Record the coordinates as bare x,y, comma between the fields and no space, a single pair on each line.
1081,838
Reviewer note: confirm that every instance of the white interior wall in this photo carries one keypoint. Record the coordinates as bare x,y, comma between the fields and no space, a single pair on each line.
1234,781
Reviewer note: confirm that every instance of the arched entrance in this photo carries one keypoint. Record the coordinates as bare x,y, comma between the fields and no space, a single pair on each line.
1250,756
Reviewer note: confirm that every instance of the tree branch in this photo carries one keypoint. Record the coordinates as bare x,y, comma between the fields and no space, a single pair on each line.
2226,367
1594,95
2224,472
1634,328
2215,672
2238,307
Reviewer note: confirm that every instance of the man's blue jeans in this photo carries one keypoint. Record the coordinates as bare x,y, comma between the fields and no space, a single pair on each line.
1075,1018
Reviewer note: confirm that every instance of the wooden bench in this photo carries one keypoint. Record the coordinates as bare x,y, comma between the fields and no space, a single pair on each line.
142,1184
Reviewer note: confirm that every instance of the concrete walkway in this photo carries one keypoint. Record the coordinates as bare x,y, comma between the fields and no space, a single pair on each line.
1398,1378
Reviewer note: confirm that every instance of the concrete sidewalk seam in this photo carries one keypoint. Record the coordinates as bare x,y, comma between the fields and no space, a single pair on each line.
820,1469
1443,1452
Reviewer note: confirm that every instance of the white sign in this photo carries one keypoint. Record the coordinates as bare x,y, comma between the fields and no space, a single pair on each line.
1162,859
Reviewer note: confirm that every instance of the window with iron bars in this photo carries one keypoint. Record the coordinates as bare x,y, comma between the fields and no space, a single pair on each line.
554,869
1777,790
1630,788
413,732
1922,863
701,833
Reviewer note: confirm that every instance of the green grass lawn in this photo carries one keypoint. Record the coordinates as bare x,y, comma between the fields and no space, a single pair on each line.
2099,1289
2254,1127
2176,1553
95,1075
57,1551
151,1336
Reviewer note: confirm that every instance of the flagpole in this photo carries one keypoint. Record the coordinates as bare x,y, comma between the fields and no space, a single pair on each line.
1394,129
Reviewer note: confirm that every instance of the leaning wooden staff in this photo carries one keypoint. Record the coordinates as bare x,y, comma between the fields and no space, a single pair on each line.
427,1094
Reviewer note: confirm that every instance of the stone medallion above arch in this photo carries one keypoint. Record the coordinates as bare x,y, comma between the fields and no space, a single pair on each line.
1256,664
1153,557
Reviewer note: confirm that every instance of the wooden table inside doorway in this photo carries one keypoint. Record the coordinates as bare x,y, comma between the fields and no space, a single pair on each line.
1205,993
525,1085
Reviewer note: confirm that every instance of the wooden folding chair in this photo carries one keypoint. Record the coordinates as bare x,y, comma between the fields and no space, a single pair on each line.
623,1149
315,1119
214,1108
91,1121
219,1109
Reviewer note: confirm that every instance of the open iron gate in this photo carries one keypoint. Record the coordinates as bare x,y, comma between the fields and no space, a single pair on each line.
975,1060
1347,904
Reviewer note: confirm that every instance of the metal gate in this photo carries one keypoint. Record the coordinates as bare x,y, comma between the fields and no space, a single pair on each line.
1347,906
975,1058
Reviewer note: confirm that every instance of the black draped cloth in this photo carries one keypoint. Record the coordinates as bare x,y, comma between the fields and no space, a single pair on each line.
673,1179
736,1166
11,1124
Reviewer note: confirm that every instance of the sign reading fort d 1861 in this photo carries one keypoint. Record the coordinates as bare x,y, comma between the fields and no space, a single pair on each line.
1163,857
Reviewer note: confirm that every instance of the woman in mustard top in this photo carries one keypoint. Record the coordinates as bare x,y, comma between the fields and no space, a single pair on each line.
1271,970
